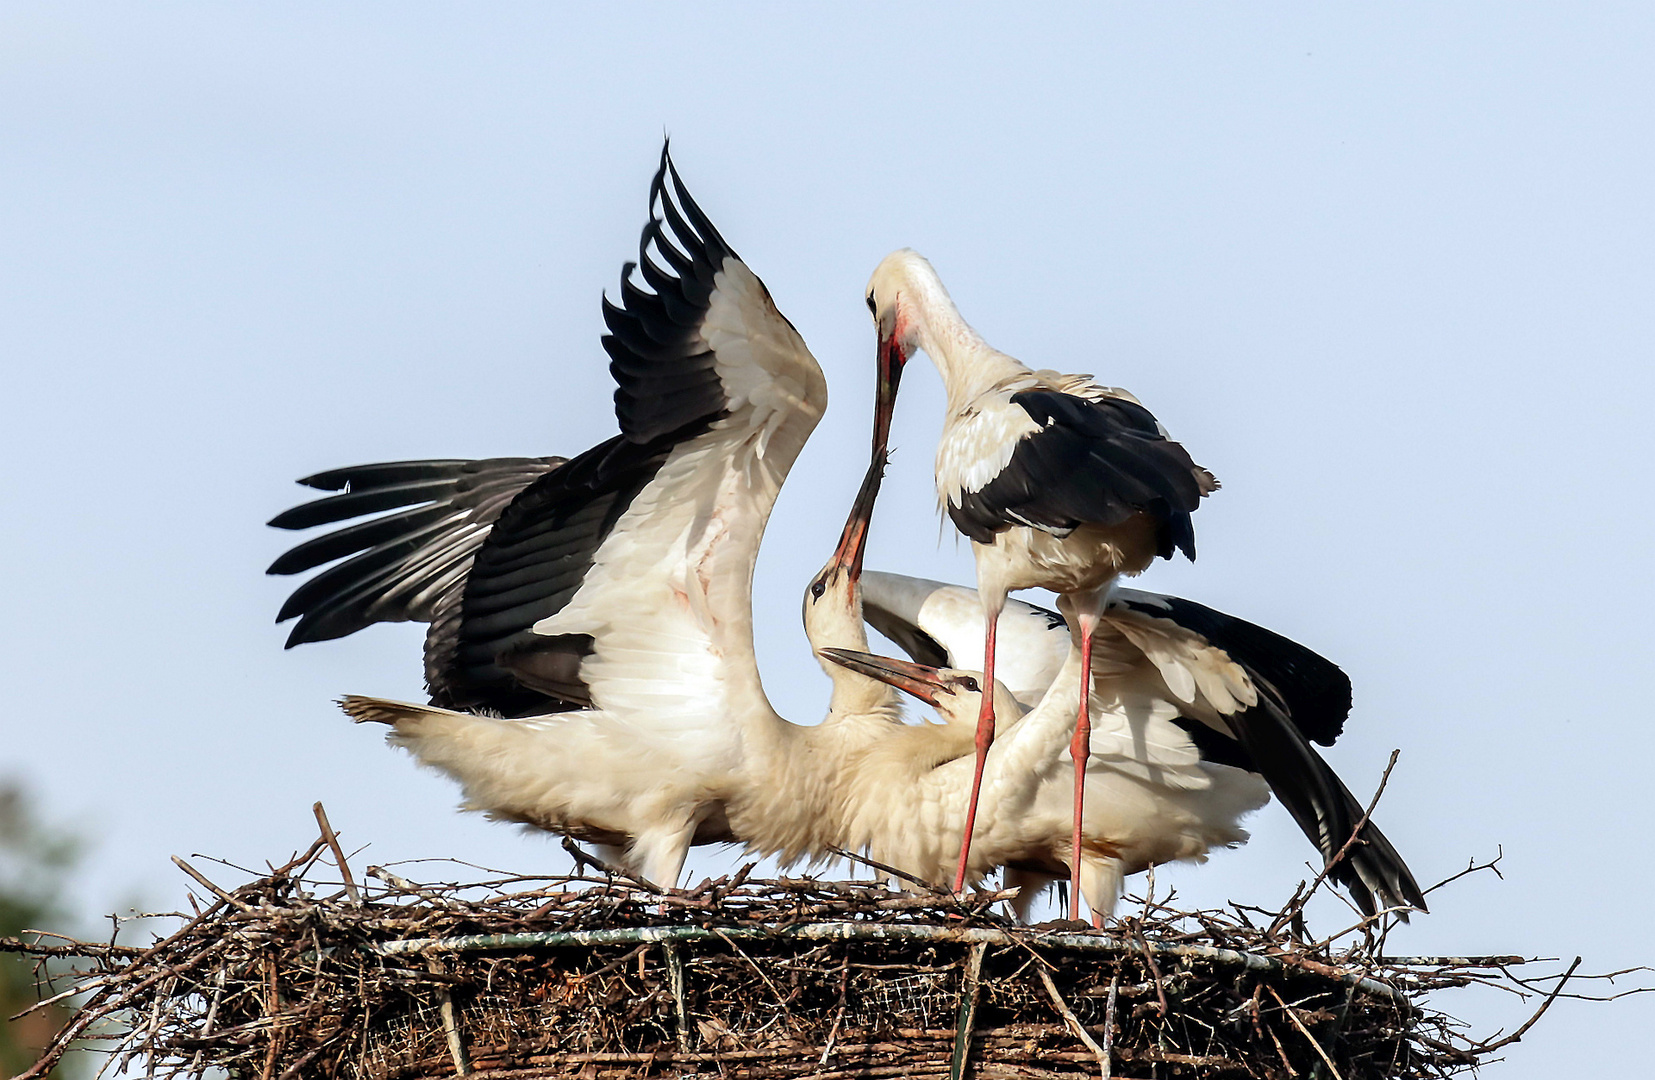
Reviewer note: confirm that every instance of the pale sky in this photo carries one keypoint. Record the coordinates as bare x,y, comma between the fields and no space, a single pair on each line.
1386,270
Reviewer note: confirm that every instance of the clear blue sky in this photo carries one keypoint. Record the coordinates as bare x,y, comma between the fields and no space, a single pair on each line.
1385,269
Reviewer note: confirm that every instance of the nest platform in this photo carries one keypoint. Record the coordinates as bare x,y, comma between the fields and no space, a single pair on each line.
595,976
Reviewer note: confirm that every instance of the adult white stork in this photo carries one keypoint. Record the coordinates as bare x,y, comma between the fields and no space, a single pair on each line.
1150,795
590,658
1060,483
1241,696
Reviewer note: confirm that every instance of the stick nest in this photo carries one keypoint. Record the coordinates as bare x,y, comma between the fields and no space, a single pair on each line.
597,976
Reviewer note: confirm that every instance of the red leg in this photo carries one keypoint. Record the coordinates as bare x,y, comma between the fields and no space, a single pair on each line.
1080,749
985,739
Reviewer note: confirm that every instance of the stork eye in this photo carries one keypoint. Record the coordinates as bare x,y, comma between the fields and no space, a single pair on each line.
971,684
872,307
817,588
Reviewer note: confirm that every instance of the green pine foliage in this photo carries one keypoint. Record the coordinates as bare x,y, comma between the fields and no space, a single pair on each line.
35,861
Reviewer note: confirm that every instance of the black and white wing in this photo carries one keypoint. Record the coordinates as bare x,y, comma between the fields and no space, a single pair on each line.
1056,461
1314,691
1247,697
716,394
1264,722
408,560
625,577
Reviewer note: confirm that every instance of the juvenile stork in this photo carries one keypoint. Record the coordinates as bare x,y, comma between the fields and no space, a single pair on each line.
1236,693
1059,483
1151,796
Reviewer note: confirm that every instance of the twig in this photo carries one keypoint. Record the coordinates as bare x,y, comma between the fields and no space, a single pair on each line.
1109,1027
1293,1016
968,1012
1074,1023
212,1014
675,983
1474,867
450,1025
1489,1048
583,857
1149,958
338,853
929,887
209,886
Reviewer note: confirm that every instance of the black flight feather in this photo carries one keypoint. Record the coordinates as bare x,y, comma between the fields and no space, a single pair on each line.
401,564
664,372
1315,692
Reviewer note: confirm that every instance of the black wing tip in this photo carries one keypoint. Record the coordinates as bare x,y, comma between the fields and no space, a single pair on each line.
1385,883
679,194
1373,871
665,378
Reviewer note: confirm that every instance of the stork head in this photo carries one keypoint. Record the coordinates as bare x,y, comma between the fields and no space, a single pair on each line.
957,695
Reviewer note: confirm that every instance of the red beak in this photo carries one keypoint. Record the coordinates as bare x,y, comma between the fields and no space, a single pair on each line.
920,680
853,542
890,362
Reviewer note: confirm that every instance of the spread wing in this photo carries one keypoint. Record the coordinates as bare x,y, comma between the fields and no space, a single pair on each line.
619,579
623,581
1247,696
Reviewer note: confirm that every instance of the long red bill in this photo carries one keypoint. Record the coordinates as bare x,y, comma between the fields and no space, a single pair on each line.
853,541
890,363
920,680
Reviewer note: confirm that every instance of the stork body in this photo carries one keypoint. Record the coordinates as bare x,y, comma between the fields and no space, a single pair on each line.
1151,797
1059,482
1237,694
590,658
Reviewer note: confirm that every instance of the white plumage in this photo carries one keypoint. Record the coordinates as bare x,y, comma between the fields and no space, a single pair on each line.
1151,798
1173,679
1060,483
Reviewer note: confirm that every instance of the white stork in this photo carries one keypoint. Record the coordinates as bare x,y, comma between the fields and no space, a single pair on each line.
1238,694
557,607
1150,795
1059,483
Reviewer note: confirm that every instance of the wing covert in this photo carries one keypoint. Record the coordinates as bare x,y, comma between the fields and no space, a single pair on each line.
1093,461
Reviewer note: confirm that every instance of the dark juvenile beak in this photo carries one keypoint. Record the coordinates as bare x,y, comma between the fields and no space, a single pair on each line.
920,680
853,542
890,362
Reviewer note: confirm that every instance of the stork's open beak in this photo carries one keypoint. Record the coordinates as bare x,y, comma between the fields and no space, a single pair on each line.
853,542
920,680
890,362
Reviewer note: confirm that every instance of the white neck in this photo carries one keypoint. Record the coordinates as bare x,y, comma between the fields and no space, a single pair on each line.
927,319
807,766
